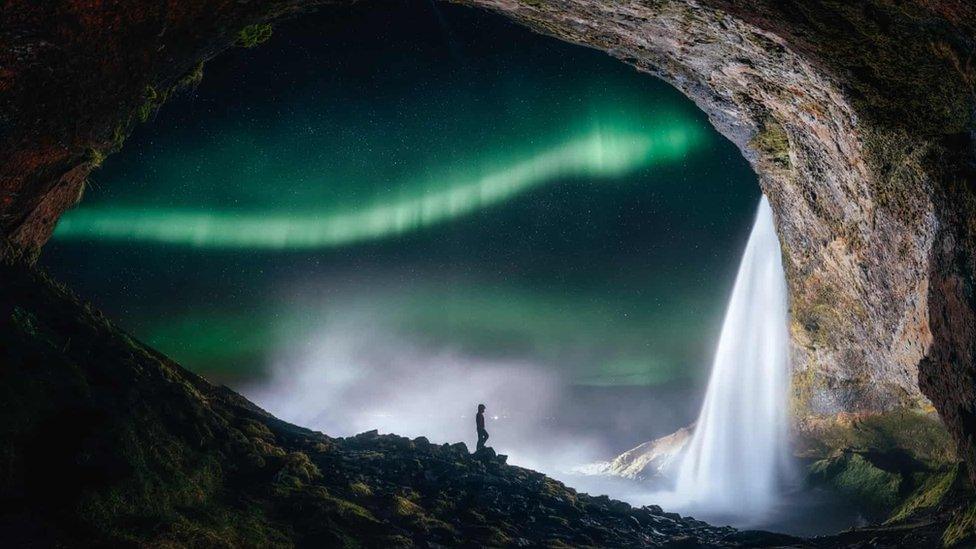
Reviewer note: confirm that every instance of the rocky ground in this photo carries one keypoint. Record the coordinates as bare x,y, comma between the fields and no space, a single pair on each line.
105,442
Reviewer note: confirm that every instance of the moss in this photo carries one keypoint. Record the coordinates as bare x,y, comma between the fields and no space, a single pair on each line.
902,164
152,99
931,492
360,489
119,133
403,507
555,519
961,529
299,464
897,466
351,512
192,78
804,386
498,538
773,143
858,479
254,35
819,313
918,433
256,429
94,157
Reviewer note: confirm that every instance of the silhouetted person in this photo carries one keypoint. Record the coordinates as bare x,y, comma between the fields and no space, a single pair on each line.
480,422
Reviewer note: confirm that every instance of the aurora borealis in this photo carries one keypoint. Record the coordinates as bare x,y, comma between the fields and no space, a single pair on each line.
603,153
456,183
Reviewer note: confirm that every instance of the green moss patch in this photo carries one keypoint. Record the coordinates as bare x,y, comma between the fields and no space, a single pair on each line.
920,434
857,478
962,528
254,35
932,491
773,143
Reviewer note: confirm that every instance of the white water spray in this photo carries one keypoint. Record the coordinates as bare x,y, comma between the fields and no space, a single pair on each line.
737,457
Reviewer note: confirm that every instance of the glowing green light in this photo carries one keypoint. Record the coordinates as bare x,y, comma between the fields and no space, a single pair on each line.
598,153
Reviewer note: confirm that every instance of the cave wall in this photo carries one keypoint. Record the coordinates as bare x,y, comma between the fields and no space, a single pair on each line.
855,267
857,118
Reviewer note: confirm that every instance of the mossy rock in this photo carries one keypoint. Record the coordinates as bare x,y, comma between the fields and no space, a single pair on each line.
962,528
918,433
360,490
773,143
860,480
254,35
932,491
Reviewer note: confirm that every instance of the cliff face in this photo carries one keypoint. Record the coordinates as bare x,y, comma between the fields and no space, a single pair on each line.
846,165
856,116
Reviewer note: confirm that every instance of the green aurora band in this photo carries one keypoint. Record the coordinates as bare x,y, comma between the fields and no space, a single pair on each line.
604,151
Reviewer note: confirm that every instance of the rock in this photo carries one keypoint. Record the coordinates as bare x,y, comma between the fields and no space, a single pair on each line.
487,453
646,462
459,448
863,168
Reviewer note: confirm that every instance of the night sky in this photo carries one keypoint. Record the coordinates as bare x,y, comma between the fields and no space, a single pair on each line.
439,175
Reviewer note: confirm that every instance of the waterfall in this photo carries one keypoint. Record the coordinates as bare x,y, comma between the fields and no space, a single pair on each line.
737,457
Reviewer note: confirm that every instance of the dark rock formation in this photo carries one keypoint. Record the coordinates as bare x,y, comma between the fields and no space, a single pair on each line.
857,116
104,442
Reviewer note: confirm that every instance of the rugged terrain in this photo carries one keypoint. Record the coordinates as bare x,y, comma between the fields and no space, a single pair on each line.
105,442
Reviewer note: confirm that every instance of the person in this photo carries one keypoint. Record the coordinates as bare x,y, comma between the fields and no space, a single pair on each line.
480,422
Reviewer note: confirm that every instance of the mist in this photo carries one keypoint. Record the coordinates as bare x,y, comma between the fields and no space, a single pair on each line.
356,374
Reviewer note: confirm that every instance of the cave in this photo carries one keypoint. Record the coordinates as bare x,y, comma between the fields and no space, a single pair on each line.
856,118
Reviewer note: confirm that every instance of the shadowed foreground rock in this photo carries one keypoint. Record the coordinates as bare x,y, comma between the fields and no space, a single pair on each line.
103,441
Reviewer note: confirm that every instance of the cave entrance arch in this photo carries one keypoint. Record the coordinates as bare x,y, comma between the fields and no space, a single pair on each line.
860,140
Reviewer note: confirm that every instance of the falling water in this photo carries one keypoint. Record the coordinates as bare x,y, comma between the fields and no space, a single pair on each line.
736,459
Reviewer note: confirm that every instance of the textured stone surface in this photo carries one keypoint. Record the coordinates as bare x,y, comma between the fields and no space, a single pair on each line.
648,462
857,117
